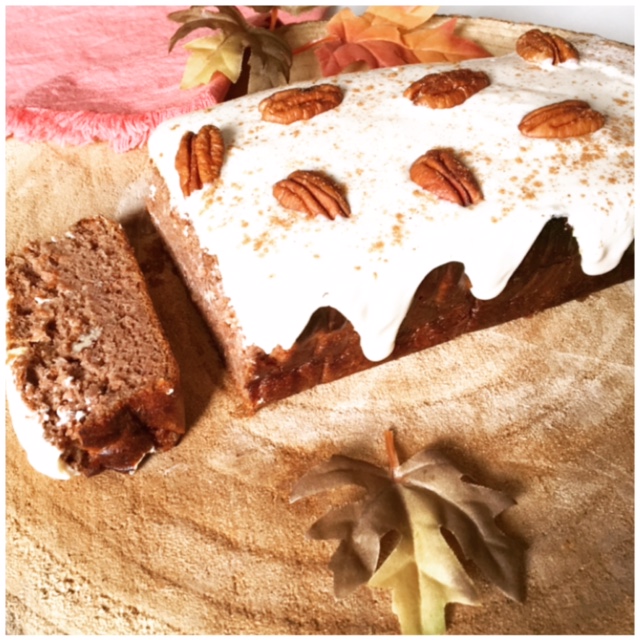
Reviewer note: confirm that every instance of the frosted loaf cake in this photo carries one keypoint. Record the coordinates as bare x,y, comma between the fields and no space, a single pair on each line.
336,224
92,383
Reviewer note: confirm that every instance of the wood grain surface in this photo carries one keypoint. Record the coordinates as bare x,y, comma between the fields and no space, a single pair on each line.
203,540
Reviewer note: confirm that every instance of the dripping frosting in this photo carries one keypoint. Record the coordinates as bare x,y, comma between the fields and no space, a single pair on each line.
278,266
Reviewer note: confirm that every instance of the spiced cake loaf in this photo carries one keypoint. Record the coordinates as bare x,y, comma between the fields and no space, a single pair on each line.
337,224
92,383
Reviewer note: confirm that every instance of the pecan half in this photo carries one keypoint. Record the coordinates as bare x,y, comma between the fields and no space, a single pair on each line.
313,193
447,89
199,158
538,46
441,173
290,105
567,119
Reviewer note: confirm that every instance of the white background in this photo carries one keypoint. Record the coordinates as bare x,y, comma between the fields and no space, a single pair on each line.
613,22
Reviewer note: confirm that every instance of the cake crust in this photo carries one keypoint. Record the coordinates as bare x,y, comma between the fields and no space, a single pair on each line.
328,348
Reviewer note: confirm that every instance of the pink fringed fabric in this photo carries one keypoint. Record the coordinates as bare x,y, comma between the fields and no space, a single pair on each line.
76,75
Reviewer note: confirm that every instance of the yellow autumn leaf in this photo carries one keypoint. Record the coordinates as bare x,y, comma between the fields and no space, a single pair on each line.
211,54
422,572
224,51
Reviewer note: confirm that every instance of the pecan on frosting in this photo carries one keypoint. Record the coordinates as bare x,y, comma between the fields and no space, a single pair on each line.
313,193
447,89
566,119
290,105
540,46
199,158
441,173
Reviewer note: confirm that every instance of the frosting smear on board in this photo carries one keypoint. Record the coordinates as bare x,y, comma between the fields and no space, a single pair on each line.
279,266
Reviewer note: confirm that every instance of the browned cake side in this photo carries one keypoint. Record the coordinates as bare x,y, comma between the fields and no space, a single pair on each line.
87,352
329,348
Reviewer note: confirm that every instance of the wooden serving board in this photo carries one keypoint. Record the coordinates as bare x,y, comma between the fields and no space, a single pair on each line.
203,540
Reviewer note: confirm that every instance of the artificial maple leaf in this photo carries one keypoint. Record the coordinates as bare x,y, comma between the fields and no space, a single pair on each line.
422,571
224,51
417,500
405,18
212,54
287,9
441,44
389,36
352,39
279,13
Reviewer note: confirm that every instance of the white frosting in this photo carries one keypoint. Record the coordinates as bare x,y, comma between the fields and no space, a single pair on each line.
42,455
278,267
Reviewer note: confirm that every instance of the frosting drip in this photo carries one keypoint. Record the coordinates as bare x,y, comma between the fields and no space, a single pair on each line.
279,266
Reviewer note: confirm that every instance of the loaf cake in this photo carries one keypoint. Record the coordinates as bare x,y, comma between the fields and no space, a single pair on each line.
337,224
92,383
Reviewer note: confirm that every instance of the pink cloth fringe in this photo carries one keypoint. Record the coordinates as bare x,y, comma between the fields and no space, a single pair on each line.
77,75
123,131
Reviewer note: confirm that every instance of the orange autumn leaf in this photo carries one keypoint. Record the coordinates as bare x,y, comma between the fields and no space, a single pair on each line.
406,18
390,36
349,56
351,28
442,45
354,39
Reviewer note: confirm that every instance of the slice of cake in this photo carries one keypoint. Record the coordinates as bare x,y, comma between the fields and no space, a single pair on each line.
92,382
336,224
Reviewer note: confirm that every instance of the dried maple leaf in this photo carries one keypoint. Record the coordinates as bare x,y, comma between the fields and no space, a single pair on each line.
389,36
223,52
417,500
